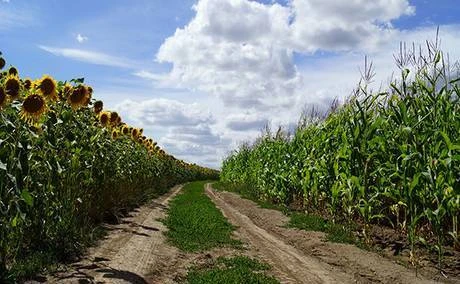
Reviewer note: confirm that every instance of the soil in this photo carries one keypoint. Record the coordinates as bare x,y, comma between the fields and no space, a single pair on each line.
305,257
131,251
136,250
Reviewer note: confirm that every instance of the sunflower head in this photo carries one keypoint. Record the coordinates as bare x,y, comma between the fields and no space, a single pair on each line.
27,83
2,63
125,130
33,108
65,91
78,97
98,106
3,98
115,134
13,71
135,133
12,87
114,118
104,118
48,88
89,95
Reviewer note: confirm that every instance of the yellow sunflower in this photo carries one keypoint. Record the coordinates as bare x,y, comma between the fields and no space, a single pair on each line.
2,63
104,118
33,107
78,97
135,133
98,106
3,98
65,91
114,118
13,71
12,87
89,95
114,134
48,88
125,130
27,83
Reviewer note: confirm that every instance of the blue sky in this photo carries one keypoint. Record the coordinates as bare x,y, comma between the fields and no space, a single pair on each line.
203,76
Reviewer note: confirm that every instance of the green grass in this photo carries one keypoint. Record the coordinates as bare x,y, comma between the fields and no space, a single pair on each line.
194,222
336,233
238,269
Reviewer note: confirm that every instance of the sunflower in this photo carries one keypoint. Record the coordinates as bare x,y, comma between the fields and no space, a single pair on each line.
114,134
89,95
114,118
2,63
78,97
98,106
135,133
104,118
48,88
3,98
27,83
12,86
65,91
13,71
33,108
125,130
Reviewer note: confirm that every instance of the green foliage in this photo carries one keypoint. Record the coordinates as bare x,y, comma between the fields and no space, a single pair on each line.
390,157
63,174
194,222
235,270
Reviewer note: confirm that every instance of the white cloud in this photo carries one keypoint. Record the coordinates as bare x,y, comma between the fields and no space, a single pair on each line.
185,130
6,1
243,51
164,113
149,75
92,57
80,38
344,24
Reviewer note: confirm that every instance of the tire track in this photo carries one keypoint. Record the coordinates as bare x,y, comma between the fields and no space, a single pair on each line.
294,266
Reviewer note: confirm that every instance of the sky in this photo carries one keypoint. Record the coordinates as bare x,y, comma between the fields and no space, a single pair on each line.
203,76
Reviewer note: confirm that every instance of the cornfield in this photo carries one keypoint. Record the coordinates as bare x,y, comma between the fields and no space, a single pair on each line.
65,165
390,157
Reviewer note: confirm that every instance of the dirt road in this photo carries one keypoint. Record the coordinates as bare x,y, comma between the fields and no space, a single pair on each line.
136,251
303,257
131,251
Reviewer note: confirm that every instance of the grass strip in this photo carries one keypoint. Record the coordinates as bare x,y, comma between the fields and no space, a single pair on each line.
336,233
238,269
194,222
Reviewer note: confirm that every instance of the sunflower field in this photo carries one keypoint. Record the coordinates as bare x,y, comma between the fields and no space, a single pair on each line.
388,157
66,164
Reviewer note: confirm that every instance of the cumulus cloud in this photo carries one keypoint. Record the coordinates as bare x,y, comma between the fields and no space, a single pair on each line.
165,113
243,51
186,130
246,122
344,24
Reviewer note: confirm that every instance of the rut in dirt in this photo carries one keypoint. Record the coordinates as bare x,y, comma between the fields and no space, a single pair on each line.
131,250
304,257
